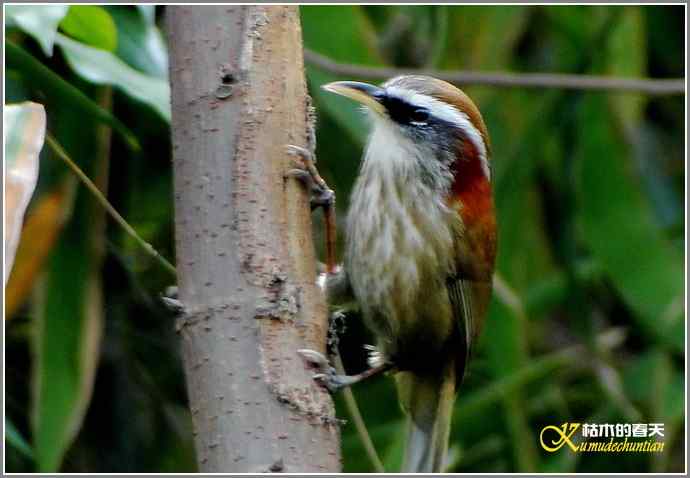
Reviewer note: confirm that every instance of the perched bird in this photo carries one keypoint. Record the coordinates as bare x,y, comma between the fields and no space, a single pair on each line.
420,248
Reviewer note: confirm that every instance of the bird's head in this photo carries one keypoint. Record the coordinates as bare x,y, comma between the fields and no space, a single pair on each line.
430,114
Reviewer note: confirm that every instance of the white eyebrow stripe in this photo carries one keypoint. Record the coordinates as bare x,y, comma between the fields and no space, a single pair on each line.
448,113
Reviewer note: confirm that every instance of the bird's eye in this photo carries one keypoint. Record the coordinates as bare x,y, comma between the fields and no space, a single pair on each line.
419,116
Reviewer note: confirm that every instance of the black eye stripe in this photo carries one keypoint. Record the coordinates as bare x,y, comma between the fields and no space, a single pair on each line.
403,112
380,96
420,115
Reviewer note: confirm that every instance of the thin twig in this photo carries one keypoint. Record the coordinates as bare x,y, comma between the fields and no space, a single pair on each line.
60,152
353,411
673,86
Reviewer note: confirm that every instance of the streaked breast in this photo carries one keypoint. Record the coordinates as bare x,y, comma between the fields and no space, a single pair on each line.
399,238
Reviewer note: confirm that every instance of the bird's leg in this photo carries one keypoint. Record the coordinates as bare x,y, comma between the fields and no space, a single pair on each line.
334,282
328,376
321,195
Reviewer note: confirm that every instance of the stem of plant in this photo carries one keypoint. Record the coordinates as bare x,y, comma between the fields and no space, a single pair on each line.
148,248
353,411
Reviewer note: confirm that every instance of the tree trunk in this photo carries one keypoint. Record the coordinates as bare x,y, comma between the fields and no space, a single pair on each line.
245,259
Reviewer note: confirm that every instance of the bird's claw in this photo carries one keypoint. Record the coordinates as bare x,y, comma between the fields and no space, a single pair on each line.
314,357
170,299
306,172
301,152
326,375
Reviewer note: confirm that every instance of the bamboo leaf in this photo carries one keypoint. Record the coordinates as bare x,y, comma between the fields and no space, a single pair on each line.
68,306
69,323
25,126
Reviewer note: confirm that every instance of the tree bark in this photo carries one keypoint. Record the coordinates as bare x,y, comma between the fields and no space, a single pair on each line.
245,257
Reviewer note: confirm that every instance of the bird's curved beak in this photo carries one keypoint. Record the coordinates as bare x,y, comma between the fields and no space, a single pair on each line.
363,93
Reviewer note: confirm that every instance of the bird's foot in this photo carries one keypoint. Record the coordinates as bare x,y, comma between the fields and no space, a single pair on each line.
326,375
171,300
305,170
321,195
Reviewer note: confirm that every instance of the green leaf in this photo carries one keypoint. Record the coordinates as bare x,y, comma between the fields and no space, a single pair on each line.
483,37
25,125
60,91
104,68
16,90
68,306
140,42
348,114
674,400
628,62
652,380
342,33
15,439
393,457
39,21
507,353
91,25
620,232
544,366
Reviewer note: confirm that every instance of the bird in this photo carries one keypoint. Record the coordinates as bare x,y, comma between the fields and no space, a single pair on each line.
420,249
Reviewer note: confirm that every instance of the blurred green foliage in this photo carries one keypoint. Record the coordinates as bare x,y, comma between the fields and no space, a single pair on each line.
589,191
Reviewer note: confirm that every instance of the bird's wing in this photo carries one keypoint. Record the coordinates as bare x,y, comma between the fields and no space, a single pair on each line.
469,300
469,284
460,297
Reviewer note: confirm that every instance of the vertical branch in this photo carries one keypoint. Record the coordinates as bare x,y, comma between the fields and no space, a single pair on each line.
245,259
